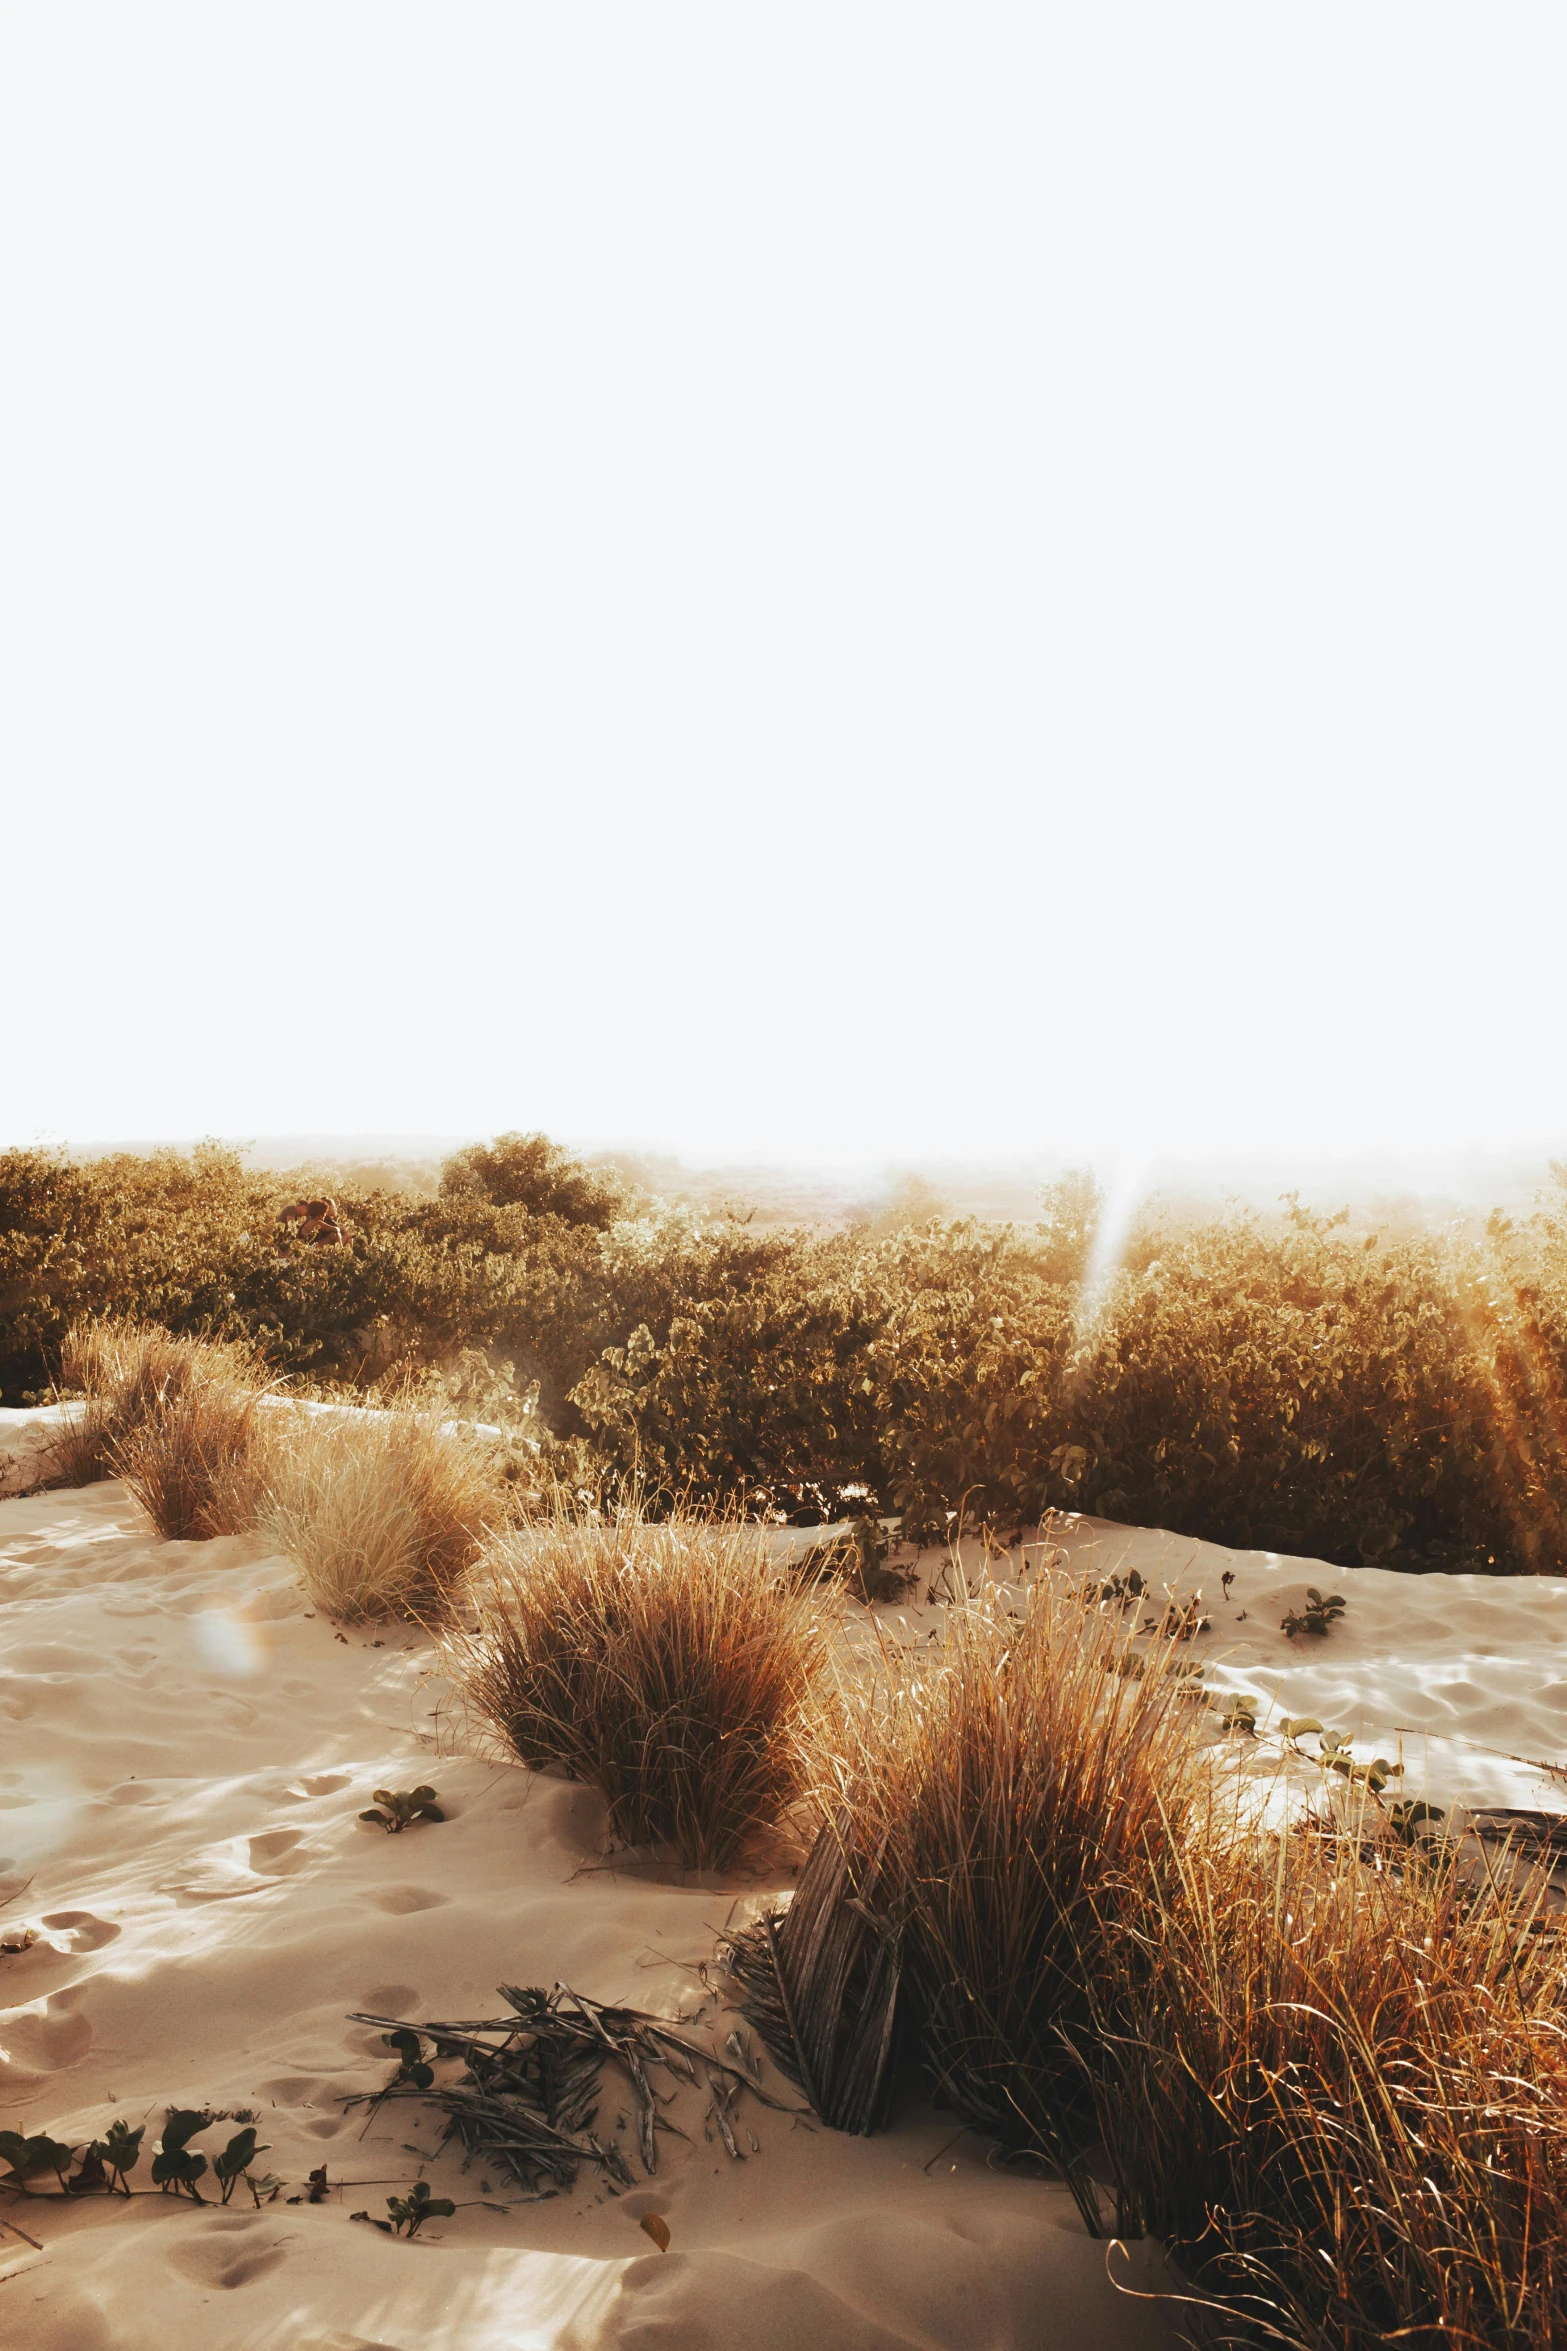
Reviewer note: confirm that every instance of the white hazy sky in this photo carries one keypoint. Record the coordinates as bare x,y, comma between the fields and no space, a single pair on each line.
829,581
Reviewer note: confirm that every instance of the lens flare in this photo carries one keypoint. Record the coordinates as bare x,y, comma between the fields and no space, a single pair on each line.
229,1643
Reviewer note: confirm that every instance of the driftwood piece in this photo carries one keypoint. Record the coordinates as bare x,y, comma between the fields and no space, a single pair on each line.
820,1982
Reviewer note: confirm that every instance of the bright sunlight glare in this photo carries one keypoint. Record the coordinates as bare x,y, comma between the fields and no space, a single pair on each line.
842,584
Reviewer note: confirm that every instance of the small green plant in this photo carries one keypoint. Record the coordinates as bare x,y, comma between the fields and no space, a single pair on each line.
410,2212
35,2158
174,2166
399,1809
1408,1818
1122,1590
234,2164
412,2068
1334,1755
118,2152
1320,1614
1241,1714
1182,1619
1295,1727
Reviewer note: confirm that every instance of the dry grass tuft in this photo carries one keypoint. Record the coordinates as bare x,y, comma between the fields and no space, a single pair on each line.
129,1374
1006,1795
1328,2069
671,1666
176,1418
383,1513
1340,2088
198,1466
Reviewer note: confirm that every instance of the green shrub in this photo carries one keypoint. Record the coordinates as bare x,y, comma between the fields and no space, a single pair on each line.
1268,1382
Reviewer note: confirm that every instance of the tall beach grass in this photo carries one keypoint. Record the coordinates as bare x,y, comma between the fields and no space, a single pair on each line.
176,1418
382,1512
1003,1797
1327,2068
672,1666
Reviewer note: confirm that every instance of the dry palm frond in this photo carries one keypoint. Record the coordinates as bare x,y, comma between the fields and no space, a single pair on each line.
528,2096
672,1666
821,1985
383,1512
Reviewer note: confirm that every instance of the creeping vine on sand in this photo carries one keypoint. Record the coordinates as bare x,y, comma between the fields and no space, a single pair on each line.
107,2163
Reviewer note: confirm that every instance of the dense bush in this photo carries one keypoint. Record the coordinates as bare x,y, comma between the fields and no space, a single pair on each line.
1274,1382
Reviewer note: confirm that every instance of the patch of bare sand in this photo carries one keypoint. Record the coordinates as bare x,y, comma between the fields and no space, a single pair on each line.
184,1751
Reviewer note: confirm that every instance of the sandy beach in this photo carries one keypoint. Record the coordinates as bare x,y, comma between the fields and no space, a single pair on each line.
188,1749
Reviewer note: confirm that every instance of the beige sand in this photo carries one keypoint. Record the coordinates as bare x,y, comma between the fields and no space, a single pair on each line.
185,1753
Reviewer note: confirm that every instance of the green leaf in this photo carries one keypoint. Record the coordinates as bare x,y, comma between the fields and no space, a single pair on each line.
29,2159
181,2128
174,2166
119,2147
1295,1726
237,2156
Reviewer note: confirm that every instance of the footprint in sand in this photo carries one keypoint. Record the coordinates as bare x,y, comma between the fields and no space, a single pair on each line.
316,2094
87,1933
243,1865
276,1853
390,2000
34,2045
232,2250
400,1900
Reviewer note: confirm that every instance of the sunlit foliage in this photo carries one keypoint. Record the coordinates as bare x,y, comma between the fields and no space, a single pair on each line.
1278,1382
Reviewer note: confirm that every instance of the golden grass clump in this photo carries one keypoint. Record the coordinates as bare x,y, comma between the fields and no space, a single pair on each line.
198,1467
1326,2068
382,1512
1339,2088
672,1666
176,1418
1005,1794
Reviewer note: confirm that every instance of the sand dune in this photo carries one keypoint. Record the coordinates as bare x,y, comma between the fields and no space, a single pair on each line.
186,1752
1463,1678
